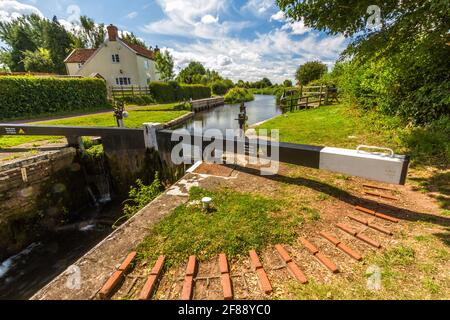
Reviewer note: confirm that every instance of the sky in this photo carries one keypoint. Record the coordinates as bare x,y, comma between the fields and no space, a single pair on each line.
242,39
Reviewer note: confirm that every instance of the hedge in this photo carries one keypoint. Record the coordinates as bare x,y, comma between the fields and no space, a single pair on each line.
27,96
172,91
237,95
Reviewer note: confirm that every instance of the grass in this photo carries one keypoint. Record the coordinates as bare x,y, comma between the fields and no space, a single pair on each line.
158,113
238,223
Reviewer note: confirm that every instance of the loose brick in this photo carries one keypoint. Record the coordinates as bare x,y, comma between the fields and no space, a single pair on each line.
226,285
108,288
311,248
157,268
343,247
264,282
152,279
191,266
283,253
186,293
346,229
330,238
256,264
223,263
368,240
374,194
376,214
371,225
127,262
352,253
296,272
377,187
327,262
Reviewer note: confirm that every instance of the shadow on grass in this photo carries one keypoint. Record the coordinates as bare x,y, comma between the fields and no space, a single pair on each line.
342,195
439,186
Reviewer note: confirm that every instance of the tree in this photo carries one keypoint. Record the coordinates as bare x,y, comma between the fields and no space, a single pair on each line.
287,83
38,61
164,65
310,71
192,73
92,34
131,38
58,43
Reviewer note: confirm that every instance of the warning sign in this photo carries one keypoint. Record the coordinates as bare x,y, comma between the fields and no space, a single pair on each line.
21,131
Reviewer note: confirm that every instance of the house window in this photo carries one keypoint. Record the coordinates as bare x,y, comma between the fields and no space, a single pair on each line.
123,81
80,65
147,65
115,58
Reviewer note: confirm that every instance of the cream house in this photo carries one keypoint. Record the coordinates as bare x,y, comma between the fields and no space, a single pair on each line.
118,62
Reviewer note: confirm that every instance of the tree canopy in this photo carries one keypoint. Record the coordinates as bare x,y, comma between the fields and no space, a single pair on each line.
310,71
164,65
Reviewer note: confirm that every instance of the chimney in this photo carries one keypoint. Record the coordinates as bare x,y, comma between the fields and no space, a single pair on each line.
113,32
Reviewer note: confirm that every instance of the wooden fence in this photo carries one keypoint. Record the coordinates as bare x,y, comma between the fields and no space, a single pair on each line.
307,97
129,91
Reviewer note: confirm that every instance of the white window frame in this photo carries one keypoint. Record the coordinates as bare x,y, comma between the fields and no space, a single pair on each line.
123,81
115,58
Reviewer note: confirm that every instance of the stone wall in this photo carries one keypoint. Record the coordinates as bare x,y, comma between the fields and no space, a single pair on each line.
36,195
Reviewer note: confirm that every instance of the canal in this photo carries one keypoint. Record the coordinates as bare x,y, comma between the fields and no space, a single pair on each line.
25,273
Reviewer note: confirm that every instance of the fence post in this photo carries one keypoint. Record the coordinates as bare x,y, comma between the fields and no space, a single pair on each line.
307,98
132,91
326,95
320,95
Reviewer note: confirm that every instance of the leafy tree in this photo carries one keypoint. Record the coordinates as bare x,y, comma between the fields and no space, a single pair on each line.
92,34
240,83
287,83
310,71
58,43
164,65
192,73
131,38
38,61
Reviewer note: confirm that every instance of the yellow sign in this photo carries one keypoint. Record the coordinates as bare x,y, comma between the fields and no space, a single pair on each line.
21,131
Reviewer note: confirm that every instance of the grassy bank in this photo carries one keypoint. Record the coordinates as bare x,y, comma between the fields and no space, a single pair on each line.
156,113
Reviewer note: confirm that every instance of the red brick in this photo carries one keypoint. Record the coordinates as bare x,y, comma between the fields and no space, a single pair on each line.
352,253
296,272
223,263
377,187
381,229
108,288
264,282
191,266
358,219
330,238
346,229
256,264
127,262
376,214
368,240
148,288
327,262
157,268
227,288
186,293
311,248
380,195
283,253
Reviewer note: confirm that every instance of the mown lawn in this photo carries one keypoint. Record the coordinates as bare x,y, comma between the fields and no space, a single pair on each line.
157,113
332,126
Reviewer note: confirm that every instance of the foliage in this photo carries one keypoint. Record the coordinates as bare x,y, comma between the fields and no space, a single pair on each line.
31,96
130,37
239,222
140,100
38,61
310,71
139,196
164,65
172,91
237,95
91,34
219,87
287,83
192,73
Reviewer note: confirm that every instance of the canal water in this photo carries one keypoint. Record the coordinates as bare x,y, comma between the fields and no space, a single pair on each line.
262,108
25,273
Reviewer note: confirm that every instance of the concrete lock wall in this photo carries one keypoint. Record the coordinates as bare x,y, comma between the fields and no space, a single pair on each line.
36,195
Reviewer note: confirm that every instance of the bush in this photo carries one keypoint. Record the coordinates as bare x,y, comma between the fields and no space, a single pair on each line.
25,96
237,95
219,87
138,100
172,91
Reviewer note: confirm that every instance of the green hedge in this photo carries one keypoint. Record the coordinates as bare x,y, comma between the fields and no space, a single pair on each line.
27,96
172,91
237,95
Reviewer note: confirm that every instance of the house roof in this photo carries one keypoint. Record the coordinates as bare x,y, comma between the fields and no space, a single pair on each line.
79,55
141,50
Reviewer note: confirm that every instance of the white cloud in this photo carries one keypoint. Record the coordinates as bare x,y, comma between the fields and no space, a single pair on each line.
131,15
275,55
296,27
10,10
279,16
193,18
258,7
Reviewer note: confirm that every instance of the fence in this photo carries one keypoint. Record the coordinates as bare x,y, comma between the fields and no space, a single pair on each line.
307,97
129,91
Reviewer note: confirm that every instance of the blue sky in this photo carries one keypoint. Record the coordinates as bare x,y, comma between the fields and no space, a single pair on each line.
242,39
